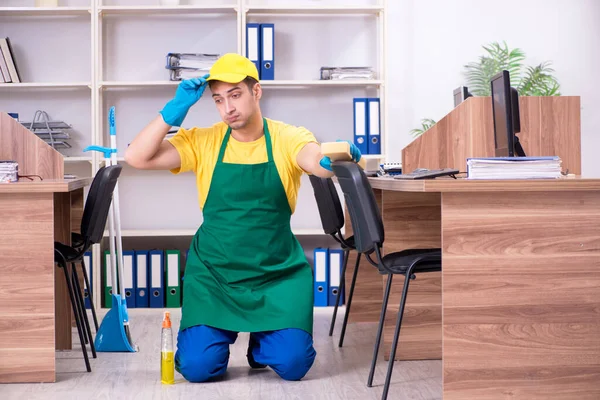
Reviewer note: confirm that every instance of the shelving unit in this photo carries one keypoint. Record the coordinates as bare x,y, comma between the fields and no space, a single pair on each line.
118,56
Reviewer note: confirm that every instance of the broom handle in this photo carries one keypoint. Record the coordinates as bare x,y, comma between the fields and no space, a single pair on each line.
116,283
113,159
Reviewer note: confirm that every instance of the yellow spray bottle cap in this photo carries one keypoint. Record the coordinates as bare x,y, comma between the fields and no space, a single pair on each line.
166,320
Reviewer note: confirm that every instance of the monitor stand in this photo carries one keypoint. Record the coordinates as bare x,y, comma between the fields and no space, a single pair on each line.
518,148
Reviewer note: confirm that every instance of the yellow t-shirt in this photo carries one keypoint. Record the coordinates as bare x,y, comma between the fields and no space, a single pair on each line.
199,151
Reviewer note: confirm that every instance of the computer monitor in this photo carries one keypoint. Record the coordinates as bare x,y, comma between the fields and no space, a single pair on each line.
505,113
461,94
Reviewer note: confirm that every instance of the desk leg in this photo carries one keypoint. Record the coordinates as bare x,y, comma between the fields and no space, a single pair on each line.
62,233
412,220
26,288
521,290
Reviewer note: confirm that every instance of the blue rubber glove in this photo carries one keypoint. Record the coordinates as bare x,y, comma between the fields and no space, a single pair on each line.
354,151
188,93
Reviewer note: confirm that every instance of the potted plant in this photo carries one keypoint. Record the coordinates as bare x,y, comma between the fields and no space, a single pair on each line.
528,80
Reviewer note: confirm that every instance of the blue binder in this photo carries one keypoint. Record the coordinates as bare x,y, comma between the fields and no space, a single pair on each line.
157,282
253,42
374,121
87,259
361,124
336,259
141,279
128,277
321,277
267,51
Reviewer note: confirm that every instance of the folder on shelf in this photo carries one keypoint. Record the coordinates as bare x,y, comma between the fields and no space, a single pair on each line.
321,277
336,259
157,296
360,124
128,258
107,274
252,44
173,268
87,262
267,53
374,121
141,279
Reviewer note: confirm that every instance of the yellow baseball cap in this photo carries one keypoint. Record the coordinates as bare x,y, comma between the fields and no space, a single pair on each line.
232,68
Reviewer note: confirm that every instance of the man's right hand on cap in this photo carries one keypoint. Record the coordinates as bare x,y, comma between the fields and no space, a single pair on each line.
188,93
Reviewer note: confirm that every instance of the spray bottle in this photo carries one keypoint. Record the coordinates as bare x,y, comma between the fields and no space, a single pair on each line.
167,364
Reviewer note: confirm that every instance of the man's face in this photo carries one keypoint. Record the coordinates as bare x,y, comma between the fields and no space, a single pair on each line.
236,102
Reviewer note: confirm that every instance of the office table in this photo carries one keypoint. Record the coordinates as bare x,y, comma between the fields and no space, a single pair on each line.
35,310
515,312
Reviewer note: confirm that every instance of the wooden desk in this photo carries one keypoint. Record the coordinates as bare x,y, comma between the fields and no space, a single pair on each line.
35,311
519,292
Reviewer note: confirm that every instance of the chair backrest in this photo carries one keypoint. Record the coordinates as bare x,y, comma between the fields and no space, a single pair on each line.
97,205
362,206
328,203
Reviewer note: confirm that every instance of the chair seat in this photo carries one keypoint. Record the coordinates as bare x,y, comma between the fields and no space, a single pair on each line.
399,262
68,252
351,243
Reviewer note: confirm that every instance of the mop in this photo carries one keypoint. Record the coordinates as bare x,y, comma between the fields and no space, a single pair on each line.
113,334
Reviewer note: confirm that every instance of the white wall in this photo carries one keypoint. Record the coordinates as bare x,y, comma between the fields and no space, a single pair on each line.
431,40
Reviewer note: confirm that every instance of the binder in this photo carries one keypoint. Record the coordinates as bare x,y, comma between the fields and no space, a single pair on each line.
106,274
374,121
267,36
252,45
141,279
336,259
157,296
128,258
360,124
321,277
87,261
173,268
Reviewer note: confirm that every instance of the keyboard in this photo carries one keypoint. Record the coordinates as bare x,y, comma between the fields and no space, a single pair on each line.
422,173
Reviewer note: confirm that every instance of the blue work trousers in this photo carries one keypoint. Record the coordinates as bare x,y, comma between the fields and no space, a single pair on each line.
203,352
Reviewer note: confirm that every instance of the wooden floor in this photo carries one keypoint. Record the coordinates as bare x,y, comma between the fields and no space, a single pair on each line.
336,374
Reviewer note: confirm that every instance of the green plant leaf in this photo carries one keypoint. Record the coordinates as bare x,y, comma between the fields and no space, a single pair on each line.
426,123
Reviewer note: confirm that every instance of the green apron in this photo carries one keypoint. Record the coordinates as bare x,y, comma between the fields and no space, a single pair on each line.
246,271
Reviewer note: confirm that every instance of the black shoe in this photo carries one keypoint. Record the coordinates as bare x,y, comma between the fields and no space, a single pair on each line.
251,345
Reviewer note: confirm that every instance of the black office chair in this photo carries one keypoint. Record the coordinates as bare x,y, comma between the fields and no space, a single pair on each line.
332,219
93,223
77,241
368,238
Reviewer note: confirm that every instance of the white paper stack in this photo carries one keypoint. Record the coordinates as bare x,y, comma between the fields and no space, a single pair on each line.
9,171
514,168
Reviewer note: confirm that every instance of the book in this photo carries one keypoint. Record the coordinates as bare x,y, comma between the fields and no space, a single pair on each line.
514,168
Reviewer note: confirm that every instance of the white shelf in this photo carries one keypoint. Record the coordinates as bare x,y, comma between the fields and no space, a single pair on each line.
77,159
288,83
271,84
116,10
43,85
43,11
313,10
137,84
370,156
191,232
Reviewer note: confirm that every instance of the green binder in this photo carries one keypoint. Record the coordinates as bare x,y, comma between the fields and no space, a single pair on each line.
106,277
173,278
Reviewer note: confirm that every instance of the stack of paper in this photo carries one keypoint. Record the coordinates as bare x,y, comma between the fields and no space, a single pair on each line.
9,171
514,168
189,65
